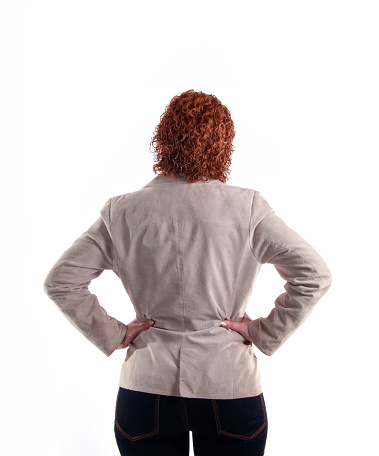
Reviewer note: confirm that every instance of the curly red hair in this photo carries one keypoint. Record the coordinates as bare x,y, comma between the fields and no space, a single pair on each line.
194,138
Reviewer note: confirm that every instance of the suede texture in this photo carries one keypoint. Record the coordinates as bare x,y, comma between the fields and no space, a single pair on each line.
188,255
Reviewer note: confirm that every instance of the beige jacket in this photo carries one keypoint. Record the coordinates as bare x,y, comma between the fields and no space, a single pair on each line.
188,255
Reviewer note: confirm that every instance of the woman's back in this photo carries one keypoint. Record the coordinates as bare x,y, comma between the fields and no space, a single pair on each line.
183,253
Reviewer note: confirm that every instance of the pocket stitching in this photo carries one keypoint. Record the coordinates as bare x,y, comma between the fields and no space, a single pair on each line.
137,437
238,436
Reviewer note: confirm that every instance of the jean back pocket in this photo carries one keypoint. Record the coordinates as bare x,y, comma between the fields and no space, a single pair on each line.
137,414
244,418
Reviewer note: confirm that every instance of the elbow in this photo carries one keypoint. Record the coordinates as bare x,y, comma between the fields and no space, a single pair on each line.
326,275
50,284
321,284
323,275
329,280
48,287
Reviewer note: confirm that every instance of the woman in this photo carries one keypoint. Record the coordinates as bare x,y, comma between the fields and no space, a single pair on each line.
187,248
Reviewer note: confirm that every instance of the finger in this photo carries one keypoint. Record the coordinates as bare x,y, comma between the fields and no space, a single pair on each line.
229,324
147,324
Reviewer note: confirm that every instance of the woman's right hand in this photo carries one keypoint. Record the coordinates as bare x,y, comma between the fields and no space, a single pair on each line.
240,327
134,328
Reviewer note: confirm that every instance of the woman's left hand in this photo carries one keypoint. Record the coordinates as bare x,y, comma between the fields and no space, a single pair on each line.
134,328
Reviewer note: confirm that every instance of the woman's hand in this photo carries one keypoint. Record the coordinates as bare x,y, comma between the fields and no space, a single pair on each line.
134,328
240,327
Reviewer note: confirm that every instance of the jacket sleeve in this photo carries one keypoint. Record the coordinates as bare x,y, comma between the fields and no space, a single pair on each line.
307,277
67,285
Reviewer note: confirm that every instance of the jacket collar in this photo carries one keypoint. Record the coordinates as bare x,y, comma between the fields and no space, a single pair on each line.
163,180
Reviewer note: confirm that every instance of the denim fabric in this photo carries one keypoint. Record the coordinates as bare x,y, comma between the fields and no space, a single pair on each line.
153,424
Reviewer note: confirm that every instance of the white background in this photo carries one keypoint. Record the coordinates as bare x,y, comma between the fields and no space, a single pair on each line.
83,86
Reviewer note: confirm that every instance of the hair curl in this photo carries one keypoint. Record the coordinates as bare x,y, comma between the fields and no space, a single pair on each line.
194,138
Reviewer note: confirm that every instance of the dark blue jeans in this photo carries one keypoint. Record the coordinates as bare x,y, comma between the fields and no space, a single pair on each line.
153,424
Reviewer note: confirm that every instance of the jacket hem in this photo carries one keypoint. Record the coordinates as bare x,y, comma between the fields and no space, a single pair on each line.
197,396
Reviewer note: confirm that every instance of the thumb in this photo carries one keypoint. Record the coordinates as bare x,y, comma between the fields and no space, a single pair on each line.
228,324
148,323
